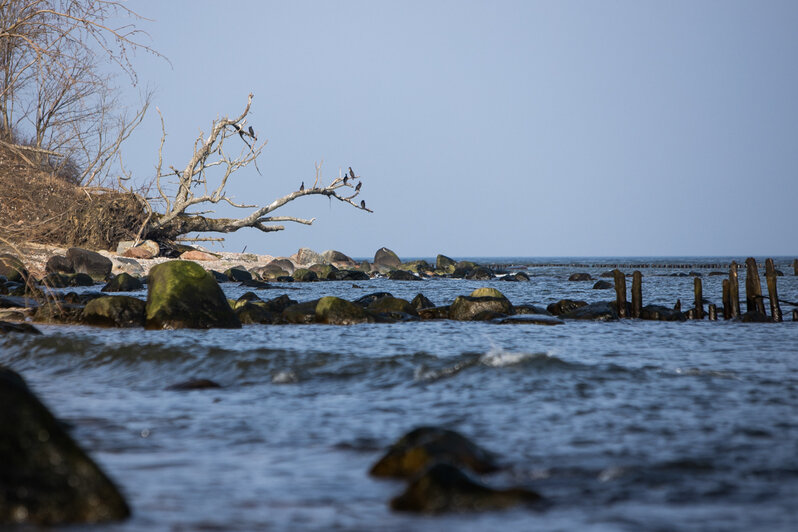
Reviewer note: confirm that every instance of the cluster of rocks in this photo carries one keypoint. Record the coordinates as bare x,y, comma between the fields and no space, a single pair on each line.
434,462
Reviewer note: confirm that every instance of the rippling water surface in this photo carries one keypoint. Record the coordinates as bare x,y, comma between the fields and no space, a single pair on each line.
625,425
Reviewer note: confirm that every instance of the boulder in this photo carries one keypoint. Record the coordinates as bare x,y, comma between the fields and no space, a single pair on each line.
58,312
90,262
416,266
420,302
12,268
146,249
336,311
271,272
126,265
480,274
58,264
530,319
608,275
219,276
531,309
63,280
22,328
601,311
197,255
301,312
123,283
283,264
515,277
182,294
368,299
444,488
580,277
390,304
482,304
115,311
387,258
445,264
307,256
434,313
661,313
565,305
402,275
603,285
322,271
304,275
255,312
138,253
752,316
347,275
337,258
423,446
46,479
238,274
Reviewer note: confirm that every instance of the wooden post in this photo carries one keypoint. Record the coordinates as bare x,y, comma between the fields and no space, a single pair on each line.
734,291
753,287
699,298
637,294
713,312
726,300
690,314
795,314
620,292
795,266
770,278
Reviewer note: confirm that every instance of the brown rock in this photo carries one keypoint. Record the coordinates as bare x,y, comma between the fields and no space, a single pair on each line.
197,255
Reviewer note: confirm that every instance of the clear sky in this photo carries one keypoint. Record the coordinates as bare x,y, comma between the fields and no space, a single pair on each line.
496,128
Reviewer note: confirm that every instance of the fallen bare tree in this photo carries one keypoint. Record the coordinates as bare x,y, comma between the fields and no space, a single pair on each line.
204,178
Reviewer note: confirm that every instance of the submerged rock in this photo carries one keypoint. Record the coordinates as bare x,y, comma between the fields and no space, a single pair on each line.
603,285
46,478
123,283
336,311
423,446
347,275
444,488
530,319
565,305
661,313
368,299
182,294
480,274
531,309
194,384
115,311
434,313
580,277
90,262
752,316
601,311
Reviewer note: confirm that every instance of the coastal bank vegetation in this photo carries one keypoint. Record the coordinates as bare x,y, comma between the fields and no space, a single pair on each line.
64,127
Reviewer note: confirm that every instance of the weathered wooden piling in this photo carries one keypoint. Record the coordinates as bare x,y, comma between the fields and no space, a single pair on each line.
726,300
712,312
620,292
699,298
795,314
734,292
770,278
637,294
753,287
795,266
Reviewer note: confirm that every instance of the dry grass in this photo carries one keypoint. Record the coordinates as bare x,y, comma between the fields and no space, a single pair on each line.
36,206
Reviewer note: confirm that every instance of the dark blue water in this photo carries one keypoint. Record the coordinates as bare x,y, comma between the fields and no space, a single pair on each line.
626,425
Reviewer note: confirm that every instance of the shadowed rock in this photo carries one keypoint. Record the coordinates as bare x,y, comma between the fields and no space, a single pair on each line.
58,264
21,328
444,488
530,319
434,313
423,446
403,275
565,305
445,264
388,304
386,258
480,273
531,309
238,275
421,302
301,312
661,313
115,311
336,311
303,275
602,285
601,311
12,268
181,294
580,277
62,280
122,283
194,384
46,478
90,262
347,275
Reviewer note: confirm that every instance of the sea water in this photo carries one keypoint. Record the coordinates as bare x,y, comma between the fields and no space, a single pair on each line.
625,425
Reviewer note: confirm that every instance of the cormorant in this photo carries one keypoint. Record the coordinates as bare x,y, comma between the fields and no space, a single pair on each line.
357,188
351,173
362,204
346,178
302,186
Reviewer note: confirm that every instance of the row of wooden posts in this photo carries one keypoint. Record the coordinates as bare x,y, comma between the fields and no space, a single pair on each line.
755,301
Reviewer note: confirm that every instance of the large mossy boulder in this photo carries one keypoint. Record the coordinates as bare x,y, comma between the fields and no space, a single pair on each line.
445,264
444,488
123,282
336,311
181,294
46,479
386,258
115,311
480,273
390,304
12,268
423,446
303,275
301,312
323,271
483,303
90,262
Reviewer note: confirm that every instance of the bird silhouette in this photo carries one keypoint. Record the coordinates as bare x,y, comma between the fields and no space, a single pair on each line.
362,204
351,173
346,178
302,186
252,133
357,188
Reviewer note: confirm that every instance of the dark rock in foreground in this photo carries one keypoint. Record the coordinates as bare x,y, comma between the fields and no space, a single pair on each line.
444,488
301,312
601,311
45,478
23,328
58,264
752,316
181,294
565,305
62,280
424,446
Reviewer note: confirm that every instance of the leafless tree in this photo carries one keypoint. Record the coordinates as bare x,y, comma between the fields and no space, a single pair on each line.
204,178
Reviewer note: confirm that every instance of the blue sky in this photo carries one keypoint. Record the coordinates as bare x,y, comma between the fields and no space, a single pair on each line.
496,128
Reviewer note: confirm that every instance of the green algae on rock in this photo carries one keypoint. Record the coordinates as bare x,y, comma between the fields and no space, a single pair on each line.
115,311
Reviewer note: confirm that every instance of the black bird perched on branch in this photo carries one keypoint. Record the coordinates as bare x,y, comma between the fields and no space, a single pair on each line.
357,188
252,133
346,178
362,204
302,186
351,173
